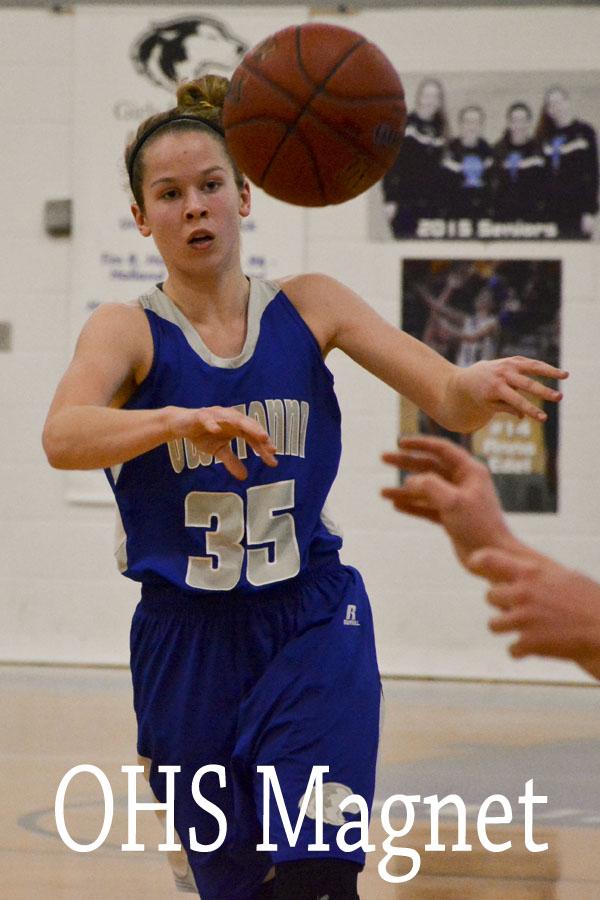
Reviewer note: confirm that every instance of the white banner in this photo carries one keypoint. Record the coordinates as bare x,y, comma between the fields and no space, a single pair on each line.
127,64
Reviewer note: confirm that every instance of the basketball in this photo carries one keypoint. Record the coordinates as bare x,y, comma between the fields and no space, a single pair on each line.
315,114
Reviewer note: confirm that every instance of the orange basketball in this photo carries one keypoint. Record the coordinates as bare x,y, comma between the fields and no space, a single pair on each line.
315,114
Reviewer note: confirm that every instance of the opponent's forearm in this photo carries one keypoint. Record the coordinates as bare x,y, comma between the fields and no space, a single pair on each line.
95,437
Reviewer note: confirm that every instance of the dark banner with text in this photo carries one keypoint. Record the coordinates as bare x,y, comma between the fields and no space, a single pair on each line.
494,156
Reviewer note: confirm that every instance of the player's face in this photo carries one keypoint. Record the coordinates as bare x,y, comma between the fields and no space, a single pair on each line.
192,204
558,107
429,100
519,125
471,126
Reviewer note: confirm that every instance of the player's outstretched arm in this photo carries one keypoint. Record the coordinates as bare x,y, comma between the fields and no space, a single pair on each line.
87,429
458,399
555,610
450,487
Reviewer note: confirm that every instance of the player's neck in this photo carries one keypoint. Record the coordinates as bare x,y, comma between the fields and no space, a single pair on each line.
211,297
564,121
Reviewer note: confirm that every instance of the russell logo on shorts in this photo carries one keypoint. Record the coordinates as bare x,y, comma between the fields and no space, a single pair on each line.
351,615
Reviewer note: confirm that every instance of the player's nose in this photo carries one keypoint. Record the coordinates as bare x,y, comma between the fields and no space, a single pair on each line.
196,206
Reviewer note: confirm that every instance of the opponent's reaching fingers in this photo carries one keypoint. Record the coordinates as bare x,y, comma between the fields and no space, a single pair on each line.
409,506
512,620
448,454
414,462
504,595
497,565
535,644
429,489
519,649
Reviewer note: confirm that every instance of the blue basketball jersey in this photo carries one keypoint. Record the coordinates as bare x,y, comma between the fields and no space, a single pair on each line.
186,520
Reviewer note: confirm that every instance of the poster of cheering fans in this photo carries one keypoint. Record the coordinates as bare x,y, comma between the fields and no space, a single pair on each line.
494,156
151,52
471,310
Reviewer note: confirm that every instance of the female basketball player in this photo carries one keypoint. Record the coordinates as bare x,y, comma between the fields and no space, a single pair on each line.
571,152
411,188
467,169
519,168
252,645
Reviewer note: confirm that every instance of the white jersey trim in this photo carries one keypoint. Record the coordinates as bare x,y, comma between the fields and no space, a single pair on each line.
120,547
526,163
116,471
331,526
422,138
261,294
576,144
454,166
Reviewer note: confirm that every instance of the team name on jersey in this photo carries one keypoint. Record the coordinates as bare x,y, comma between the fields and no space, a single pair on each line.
286,421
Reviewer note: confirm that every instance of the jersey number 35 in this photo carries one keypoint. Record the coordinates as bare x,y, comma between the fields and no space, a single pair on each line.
271,548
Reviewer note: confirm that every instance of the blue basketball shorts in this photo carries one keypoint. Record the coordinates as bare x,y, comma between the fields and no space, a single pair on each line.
286,677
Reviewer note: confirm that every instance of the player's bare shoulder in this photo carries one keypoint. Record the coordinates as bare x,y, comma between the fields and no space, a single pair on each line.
319,300
120,329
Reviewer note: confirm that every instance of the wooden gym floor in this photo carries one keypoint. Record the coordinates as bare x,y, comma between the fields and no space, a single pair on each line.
473,740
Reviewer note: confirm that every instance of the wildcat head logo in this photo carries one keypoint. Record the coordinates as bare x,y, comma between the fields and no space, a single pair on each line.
186,48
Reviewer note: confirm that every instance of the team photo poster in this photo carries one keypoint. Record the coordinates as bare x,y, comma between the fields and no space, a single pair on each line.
470,310
494,156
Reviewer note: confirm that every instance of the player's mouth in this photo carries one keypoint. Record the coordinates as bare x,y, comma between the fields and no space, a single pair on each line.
200,238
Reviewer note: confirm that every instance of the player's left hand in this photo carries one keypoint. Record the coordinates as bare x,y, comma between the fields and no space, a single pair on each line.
555,610
505,385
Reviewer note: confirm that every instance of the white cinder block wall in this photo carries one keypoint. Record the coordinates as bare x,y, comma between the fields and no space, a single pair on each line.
60,597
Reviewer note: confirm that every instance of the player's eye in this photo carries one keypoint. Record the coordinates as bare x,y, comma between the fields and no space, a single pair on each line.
212,185
170,194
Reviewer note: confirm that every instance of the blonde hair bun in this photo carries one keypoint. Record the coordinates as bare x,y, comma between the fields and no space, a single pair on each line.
203,97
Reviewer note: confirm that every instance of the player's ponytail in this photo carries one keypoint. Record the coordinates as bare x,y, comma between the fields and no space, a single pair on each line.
203,97
199,105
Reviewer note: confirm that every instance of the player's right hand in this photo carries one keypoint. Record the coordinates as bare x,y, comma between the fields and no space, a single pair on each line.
211,430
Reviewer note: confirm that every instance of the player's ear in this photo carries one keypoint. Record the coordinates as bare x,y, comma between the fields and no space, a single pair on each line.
140,220
245,199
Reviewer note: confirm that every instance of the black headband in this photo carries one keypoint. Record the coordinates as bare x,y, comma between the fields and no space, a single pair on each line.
148,134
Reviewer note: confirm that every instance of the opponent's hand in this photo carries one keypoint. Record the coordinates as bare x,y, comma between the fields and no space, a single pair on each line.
504,385
452,488
212,429
555,610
